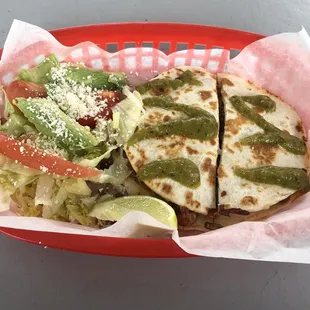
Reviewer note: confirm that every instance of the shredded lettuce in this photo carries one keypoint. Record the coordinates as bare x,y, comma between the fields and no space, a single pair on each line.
9,165
117,173
94,158
77,187
24,197
44,190
79,215
126,117
14,126
5,200
56,203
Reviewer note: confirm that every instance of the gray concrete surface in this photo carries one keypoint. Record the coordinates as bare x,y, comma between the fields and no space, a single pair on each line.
35,278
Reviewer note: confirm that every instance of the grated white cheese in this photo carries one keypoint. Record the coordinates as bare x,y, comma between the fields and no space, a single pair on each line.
77,100
101,129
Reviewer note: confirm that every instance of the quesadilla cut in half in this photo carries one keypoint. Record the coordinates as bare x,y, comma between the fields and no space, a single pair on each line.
174,151
264,158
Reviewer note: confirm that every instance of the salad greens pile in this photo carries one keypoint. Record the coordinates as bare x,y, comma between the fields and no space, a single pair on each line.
61,140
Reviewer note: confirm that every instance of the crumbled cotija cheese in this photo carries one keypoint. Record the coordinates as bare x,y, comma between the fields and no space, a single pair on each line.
76,99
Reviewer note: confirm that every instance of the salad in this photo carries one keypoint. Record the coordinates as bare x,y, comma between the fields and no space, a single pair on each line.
62,132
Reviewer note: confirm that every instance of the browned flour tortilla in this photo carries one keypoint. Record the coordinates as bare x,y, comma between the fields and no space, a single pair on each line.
236,194
233,199
202,153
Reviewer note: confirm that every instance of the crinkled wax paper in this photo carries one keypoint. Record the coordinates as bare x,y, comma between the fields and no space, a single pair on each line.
280,64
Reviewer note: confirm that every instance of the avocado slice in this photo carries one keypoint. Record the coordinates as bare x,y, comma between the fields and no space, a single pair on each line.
52,122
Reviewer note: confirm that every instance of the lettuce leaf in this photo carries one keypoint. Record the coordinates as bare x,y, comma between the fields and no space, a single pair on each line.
126,117
79,215
41,73
117,173
15,125
94,157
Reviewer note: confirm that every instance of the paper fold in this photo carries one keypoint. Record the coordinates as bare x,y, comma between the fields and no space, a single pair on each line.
280,64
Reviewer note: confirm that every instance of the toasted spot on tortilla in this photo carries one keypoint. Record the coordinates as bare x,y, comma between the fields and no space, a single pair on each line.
176,98
248,200
139,164
227,82
212,175
264,154
224,94
211,153
178,142
142,154
223,193
245,185
258,110
191,151
179,71
234,125
166,118
213,105
206,164
153,118
238,145
299,127
230,111
190,201
154,184
212,141
166,188
304,138
160,91
221,173
130,156
230,150
173,149
173,113
227,135
188,89
205,94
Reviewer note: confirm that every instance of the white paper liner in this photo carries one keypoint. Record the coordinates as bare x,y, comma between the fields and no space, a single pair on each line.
280,63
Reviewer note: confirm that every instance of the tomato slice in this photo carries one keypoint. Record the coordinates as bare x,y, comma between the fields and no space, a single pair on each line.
112,98
37,159
22,89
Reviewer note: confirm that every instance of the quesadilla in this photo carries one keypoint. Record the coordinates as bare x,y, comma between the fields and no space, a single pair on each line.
175,149
264,153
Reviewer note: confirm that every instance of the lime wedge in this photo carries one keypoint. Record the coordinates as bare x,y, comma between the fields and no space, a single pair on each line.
114,210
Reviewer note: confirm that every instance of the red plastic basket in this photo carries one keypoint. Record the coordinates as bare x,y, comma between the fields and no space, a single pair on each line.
168,37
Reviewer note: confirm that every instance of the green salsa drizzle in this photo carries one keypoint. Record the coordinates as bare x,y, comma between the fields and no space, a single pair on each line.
292,178
262,138
201,128
289,142
188,77
163,86
167,103
181,170
200,125
262,101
